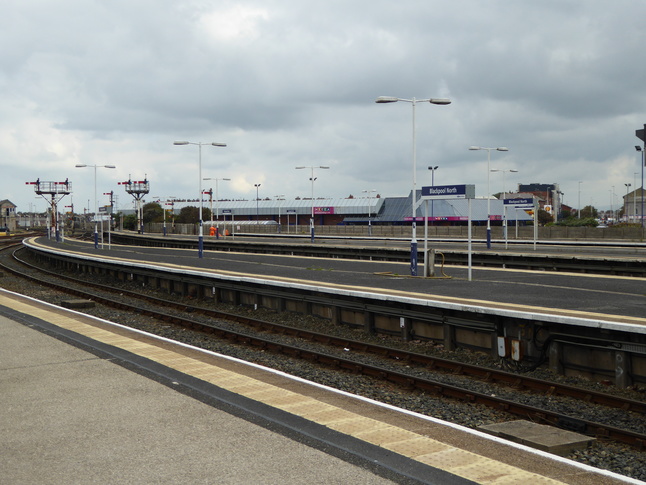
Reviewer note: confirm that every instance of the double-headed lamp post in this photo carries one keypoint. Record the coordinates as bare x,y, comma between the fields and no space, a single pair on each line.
96,205
500,149
312,180
217,211
414,101
200,240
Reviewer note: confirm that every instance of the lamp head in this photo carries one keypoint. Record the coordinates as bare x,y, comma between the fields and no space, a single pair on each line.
475,148
80,165
502,149
219,144
386,99
180,143
439,101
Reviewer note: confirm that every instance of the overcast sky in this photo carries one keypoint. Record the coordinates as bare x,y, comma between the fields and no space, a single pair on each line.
288,83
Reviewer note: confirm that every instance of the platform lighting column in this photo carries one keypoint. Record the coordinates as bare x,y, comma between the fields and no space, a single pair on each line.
96,205
257,186
643,161
369,192
200,239
433,169
626,202
500,149
312,179
579,211
504,196
278,198
414,101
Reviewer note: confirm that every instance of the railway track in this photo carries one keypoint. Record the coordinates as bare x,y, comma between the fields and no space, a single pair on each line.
397,374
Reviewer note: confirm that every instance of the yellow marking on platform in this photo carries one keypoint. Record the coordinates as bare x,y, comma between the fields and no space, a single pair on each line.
387,436
329,415
418,447
405,294
415,446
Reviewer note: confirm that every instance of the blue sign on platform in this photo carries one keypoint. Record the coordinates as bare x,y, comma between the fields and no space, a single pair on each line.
449,192
519,203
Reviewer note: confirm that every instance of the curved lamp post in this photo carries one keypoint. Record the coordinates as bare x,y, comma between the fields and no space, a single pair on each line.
414,101
96,206
500,149
200,239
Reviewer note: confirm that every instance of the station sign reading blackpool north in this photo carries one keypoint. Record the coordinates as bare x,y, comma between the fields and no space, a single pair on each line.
520,203
442,192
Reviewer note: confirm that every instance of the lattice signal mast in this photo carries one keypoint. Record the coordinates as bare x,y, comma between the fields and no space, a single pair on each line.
138,189
55,190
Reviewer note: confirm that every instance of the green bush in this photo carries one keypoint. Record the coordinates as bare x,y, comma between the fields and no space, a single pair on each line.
576,222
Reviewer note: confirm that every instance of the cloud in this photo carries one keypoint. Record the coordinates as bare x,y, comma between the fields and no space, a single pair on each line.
288,83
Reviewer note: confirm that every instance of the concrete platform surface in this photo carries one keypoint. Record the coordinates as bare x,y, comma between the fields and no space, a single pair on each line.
71,417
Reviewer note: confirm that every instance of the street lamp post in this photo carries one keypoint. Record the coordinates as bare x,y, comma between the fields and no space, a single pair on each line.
200,239
369,192
643,161
500,149
626,202
217,206
634,196
312,178
579,211
414,101
96,206
257,186
278,199
433,169
504,196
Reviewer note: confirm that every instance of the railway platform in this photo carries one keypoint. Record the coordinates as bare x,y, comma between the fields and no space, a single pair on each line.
596,297
85,400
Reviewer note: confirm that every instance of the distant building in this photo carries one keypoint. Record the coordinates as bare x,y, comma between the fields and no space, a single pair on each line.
634,204
8,212
549,196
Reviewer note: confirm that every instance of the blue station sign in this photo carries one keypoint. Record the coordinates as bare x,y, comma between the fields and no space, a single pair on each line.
443,192
519,203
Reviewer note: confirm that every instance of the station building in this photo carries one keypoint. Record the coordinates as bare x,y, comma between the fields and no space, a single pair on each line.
364,210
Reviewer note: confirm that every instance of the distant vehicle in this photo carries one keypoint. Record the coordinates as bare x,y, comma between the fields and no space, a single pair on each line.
602,226
4,231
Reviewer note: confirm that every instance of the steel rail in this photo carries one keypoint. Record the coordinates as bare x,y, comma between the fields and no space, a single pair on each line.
438,364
